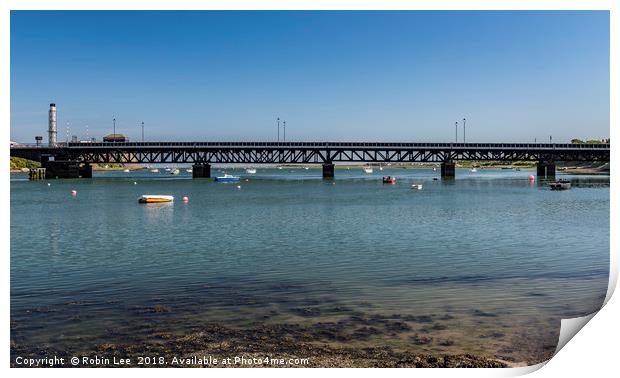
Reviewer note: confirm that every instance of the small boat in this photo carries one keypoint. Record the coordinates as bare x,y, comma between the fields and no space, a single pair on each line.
380,168
306,168
174,172
167,169
367,170
126,170
416,186
250,171
389,180
473,170
226,178
279,167
561,184
434,169
155,170
155,198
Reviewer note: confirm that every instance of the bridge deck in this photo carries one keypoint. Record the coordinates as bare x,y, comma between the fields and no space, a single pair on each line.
310,152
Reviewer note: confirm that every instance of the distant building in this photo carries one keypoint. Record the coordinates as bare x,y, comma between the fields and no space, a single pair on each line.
115,138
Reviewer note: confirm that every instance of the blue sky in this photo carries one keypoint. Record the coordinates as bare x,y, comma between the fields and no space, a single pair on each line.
387,76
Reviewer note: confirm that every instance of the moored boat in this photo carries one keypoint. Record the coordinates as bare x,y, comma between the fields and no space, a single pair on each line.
416,186
226,178
389,180
155,198
155,170
250,171
561,184
367,170
174,171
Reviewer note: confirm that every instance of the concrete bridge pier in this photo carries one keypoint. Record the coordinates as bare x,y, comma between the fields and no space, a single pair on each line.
86,170
448,169
201,170
328,170
545,169
61,169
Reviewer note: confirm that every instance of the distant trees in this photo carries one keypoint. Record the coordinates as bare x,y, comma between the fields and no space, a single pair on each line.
590,141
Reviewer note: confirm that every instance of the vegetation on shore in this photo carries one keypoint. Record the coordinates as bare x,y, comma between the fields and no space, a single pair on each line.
19,164
590,141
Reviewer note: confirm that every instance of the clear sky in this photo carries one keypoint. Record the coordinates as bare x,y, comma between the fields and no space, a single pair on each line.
385,76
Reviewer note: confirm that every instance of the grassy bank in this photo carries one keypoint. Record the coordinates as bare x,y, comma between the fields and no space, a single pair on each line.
17,164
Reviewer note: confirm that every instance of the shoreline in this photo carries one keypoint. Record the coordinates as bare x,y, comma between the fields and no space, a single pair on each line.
282,341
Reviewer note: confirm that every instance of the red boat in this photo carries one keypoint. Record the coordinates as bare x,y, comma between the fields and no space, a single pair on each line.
389,180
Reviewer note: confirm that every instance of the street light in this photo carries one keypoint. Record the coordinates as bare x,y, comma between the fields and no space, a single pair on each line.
142,131
456,132
114,126
278,129
284,126
463,130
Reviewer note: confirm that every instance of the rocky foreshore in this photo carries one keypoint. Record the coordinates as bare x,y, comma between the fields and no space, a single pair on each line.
277,342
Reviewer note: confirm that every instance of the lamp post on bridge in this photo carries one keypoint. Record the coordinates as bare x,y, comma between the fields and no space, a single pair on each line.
456,132
463,130
142,131
284,126
278,129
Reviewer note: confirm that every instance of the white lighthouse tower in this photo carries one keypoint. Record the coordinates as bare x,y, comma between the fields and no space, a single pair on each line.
51,131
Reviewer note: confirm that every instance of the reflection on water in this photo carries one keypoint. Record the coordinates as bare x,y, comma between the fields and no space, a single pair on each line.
485,264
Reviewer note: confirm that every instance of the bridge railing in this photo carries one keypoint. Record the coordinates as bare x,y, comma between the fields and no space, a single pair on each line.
333,145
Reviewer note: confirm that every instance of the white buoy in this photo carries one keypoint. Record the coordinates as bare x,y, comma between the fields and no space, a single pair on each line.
238,186
74,193
186,199
48,184
135,183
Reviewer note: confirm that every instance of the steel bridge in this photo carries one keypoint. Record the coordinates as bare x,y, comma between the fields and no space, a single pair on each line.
202,154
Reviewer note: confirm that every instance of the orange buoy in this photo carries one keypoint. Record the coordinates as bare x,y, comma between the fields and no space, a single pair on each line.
531,178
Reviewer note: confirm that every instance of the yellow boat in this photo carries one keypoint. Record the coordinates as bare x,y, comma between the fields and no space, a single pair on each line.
152,198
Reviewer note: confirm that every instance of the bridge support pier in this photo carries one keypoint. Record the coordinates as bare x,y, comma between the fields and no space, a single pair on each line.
545,169
86,171
201,170
62,169
447,169
328,171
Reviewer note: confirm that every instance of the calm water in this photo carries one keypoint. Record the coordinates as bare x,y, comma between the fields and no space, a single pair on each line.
487,263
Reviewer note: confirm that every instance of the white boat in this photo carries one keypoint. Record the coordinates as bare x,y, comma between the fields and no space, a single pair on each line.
155,198
167,169
126,170
279,167
306,168
155,170
226,178
416,186
367,170
473,170
380,168
189,170
174,172
250,171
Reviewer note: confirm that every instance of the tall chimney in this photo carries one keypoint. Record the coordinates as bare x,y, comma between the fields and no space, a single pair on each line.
51,131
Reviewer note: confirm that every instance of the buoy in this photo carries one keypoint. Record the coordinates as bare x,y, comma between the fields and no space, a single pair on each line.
531,178
74,192
135,183
48,184
186,199
238,186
